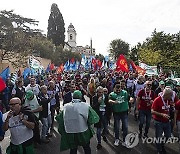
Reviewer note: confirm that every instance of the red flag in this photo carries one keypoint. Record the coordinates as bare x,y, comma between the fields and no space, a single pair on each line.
2,84
60,69
93,61
121,64
72,60
52,67
99,63
138,68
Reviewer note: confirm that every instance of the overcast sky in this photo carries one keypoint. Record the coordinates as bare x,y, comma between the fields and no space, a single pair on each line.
104,20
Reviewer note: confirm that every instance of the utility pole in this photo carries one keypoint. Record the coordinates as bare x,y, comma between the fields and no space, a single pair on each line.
91,46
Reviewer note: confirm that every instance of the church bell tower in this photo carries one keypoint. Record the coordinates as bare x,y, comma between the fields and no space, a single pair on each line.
71,35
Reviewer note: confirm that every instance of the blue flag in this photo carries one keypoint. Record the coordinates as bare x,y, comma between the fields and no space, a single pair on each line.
48,68
67,66
27,71
5,73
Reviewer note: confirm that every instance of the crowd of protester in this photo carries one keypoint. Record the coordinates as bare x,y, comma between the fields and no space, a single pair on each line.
30,107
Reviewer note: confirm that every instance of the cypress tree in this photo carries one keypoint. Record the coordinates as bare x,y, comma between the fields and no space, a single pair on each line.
56,28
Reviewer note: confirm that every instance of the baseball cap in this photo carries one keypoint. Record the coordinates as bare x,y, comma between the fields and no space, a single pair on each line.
77,94
161,82
178,84
29,94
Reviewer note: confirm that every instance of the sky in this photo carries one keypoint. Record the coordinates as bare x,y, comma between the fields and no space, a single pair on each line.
104,20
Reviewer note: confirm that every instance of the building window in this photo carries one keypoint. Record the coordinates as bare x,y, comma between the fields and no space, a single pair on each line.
71,36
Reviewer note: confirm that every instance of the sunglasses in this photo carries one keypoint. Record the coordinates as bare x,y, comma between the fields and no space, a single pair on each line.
13,104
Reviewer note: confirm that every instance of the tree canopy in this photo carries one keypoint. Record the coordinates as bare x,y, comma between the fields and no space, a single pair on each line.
118,47
161,49
56,28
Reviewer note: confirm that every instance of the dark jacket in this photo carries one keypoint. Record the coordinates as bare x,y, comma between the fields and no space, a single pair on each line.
44,102
96,105
67,98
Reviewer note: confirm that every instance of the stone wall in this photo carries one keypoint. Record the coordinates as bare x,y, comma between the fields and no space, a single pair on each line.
5,64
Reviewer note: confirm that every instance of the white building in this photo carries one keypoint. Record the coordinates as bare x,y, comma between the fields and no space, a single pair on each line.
71,43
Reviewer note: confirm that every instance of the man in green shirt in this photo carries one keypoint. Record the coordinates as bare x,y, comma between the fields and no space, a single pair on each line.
75,124
119,100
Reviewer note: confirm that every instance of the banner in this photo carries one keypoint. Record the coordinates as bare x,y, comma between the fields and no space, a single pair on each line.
150,70
34,63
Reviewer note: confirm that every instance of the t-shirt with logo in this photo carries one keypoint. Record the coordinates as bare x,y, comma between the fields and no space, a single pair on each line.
160,107
122,99
145,98
177,107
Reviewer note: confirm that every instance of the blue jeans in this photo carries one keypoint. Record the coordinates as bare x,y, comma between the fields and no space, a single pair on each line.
103,121
161,127
46,124
124,119
87,149
142,115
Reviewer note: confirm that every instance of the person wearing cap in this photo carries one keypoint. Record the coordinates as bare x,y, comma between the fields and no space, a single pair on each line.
74,124
160,88
31,102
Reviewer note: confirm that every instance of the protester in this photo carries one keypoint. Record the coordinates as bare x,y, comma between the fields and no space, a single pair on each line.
119,101
161,115
21,124
32,103
33,86
91,89
143,107
55,104
1,130
19,90
100,105
68,96
139,84
45,114
74,124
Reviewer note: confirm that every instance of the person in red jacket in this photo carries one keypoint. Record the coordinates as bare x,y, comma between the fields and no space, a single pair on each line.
161,115
143,106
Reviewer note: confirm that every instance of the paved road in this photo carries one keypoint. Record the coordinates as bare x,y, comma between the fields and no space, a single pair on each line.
108,148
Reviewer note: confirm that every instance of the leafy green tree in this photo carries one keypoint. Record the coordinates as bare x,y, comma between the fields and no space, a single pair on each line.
61,56
161,49
56,28
41,46
149,57
15,33
133,54
118,47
